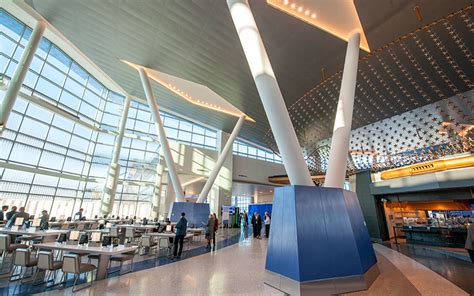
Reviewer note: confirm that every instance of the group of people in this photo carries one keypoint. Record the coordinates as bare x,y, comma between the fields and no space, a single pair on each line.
257,224
181,228
10,217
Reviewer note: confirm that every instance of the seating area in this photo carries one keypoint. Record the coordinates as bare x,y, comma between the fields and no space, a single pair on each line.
84,251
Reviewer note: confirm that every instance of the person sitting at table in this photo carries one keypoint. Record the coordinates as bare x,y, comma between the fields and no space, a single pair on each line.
44,224
2,213
20,214
10,214
181,228
78,215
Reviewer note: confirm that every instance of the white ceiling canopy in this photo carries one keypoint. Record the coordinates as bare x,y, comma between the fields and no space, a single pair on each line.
337,17
192,92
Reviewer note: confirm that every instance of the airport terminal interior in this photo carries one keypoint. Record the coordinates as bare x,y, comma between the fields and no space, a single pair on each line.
236,147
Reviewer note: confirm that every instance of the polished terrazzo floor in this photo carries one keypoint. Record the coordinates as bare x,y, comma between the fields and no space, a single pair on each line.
238,270
225,238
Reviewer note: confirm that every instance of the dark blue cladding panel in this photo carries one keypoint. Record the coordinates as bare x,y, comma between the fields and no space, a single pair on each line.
284,247
196,213
317,233
362,238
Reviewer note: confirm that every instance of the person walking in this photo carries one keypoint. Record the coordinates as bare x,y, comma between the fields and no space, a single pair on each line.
181,228
470,241
210,233
216,227
246,219
267,224
259,226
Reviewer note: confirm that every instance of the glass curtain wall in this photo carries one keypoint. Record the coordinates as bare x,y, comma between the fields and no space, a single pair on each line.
242,202
248,150
58,163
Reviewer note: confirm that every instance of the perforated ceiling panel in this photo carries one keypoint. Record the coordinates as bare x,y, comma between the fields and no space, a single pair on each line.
416,91
196,40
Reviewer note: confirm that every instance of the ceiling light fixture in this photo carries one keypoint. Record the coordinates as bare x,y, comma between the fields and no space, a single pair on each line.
187,97
338,18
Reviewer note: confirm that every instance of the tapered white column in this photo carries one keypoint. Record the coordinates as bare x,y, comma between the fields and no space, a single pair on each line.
336,172
113,172
165,148
270,93
220,161
20,72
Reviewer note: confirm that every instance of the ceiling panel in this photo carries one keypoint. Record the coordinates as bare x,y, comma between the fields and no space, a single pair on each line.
196,40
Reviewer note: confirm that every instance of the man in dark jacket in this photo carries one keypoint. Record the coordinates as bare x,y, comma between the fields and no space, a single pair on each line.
256,225
181,228
10,214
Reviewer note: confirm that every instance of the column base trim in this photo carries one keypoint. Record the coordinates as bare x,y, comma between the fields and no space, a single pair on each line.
322,287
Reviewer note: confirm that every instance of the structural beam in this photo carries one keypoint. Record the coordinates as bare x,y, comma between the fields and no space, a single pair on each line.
20,72
110,188
220,161
165,148
336,172
270,93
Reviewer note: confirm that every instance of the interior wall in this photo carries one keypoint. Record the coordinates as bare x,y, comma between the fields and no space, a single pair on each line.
249,170
263,198
193,162
373,215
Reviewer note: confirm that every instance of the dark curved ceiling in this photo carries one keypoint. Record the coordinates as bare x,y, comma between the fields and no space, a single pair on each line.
196,40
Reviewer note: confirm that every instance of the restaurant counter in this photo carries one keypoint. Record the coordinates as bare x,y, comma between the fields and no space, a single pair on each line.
454,237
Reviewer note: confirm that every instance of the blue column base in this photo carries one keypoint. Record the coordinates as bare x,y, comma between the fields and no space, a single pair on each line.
197,214
319,243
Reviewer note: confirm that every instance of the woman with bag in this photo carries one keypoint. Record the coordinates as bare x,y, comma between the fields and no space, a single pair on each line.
216,227
210,233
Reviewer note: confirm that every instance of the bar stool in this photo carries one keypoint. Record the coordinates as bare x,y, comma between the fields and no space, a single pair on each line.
7,248
22,259
72,264
48,264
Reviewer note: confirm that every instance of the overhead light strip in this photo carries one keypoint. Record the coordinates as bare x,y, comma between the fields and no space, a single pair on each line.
185,95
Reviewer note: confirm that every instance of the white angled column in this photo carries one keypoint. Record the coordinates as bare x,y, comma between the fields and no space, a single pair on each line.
220,161
113,172
336,172
165,148
20,72
270,93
